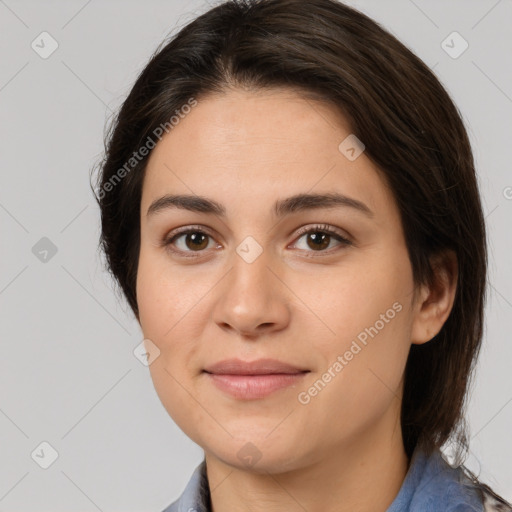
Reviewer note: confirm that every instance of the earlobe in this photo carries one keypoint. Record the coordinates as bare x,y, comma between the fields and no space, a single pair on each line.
435,302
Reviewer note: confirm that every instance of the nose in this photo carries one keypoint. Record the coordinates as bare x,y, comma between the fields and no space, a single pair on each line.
252,300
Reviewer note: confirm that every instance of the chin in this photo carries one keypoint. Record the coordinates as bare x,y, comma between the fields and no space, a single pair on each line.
258,453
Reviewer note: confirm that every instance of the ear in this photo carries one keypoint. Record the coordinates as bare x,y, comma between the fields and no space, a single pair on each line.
434,303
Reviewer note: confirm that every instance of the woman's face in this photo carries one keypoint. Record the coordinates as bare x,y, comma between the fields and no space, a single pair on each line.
250,284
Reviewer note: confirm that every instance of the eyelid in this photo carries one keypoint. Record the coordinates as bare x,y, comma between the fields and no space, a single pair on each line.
344,240
168,239
323,228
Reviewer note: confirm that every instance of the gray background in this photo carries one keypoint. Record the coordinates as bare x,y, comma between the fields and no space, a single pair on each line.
68,375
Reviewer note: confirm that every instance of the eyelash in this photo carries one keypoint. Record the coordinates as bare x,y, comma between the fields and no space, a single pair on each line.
319,228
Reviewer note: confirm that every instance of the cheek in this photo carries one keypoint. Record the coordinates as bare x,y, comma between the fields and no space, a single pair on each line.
171,301
368,311
163,304
367,300
164,296
149,294
360,382
170,312
159,314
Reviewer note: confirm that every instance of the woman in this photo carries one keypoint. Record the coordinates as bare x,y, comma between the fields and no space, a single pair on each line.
289,204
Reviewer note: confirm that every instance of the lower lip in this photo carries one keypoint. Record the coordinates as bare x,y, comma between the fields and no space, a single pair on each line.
251,387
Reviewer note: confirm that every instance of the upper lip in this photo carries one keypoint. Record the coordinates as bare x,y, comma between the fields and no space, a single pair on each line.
258,367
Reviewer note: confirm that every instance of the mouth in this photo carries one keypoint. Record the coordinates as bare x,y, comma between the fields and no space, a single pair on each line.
253,380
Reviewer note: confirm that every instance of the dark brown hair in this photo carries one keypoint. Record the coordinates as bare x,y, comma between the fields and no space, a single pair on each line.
411,129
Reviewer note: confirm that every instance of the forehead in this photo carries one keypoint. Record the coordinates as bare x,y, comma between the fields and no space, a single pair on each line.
264,144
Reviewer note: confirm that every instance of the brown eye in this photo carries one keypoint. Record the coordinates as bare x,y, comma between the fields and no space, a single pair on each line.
188,241
318,240
196,240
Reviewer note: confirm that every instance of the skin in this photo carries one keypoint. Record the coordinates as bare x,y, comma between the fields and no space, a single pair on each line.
343,450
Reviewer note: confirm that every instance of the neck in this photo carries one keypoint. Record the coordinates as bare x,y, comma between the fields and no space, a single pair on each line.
360,475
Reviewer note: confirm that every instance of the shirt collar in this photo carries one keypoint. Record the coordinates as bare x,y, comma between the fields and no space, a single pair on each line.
431,484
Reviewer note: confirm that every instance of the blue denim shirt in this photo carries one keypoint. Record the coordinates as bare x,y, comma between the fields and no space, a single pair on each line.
430,485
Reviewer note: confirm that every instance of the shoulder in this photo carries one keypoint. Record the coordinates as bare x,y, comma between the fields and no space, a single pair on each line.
456,488
492,502
196,495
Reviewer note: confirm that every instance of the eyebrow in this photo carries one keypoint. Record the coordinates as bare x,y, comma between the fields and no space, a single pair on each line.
282,207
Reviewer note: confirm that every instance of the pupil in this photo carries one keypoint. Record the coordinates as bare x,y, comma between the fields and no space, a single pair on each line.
196,239
320,239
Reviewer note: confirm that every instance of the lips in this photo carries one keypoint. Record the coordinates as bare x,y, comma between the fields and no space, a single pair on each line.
253,380
258,367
